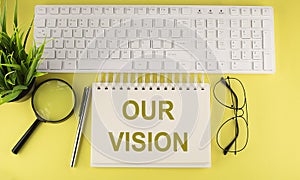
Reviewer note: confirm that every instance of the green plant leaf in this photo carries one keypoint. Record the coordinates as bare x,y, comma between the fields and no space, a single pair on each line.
20,87
3,20
16,66
34,63
16,15
10,96
10,78
27,34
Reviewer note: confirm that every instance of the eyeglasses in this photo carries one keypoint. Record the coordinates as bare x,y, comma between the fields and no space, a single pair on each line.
239,121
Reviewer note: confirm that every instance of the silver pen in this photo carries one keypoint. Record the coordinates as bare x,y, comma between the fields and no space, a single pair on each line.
82,114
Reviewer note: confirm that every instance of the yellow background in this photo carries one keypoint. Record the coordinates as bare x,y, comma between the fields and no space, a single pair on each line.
273,151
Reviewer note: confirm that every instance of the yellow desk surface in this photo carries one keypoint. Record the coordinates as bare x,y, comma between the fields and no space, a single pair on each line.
273,151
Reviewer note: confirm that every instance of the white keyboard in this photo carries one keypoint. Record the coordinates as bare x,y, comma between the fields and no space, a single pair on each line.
156,38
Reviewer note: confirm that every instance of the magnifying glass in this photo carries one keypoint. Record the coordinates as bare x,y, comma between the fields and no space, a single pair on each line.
53,101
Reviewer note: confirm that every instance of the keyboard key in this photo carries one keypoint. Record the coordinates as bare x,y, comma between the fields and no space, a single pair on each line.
155,65
183,23
40,22
211,23
257,65
97,10
56,33
246,55
135,44
65,10
93,23
174,11
115,54
267,36
164,33
257,44
43,65
123,44
72,54
200,23
235,44
59,43
93,54
234,11
140,65
222,45
141,11
234,23
257,55
159,54
235,34
54,10
200,66
67,33
163,10
176,55
78,33
119,10
153,33
256,34
51,23
117,65
246,44
246,34
99,33
266,12
245,11
41,10
187,66
211,65
129,11
90,65
61,54
75,10
70,65
145,44
170,65
86,10
137,54
108,10
176,33
125,54
104,23
256,12
241,65
148,54
268,63
80,43
72,23
256,23
186,11
104,54
235,55
55,65
62,23
49,54
210,55
246,23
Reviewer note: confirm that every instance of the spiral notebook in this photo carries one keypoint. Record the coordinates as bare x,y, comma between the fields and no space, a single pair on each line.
139,124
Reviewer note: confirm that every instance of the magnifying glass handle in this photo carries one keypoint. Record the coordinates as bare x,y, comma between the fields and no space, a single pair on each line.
24,138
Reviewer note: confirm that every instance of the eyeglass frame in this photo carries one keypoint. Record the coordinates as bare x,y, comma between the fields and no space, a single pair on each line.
236,109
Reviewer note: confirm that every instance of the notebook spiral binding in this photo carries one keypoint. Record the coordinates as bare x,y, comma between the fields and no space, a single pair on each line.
151,81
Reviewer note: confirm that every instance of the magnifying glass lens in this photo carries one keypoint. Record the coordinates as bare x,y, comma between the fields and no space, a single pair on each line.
53,100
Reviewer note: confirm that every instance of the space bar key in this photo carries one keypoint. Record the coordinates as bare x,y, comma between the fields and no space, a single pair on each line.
89,64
